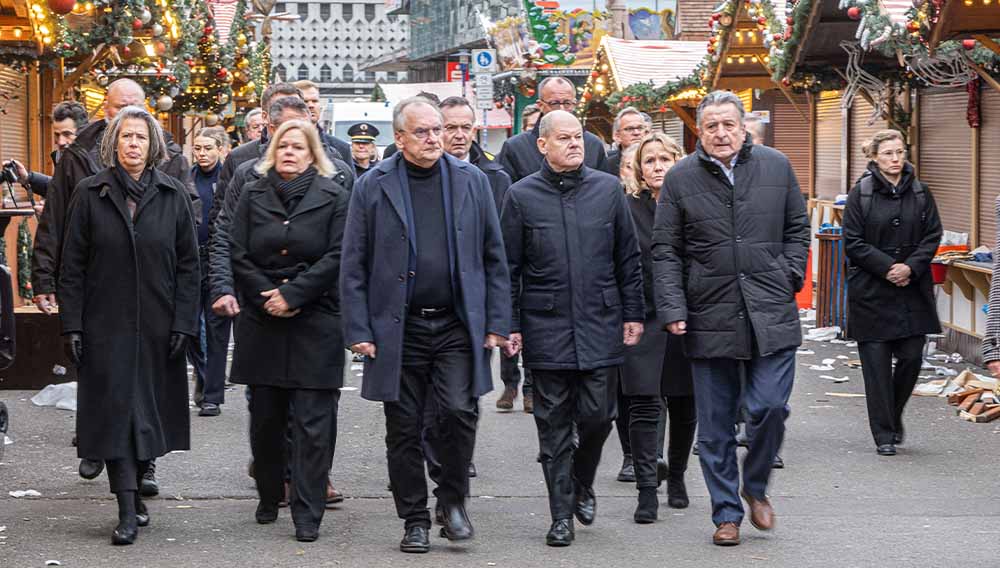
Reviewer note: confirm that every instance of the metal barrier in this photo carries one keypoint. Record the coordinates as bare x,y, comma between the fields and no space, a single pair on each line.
831,285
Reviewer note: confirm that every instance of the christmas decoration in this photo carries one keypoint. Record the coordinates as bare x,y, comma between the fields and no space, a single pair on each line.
553,49
61,7
164,103
974,106
209,82
24,254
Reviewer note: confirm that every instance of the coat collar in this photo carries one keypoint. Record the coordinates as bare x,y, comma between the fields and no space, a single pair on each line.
387,176
321,192
105,183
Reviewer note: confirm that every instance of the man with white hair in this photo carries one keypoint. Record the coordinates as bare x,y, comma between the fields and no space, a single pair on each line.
630,126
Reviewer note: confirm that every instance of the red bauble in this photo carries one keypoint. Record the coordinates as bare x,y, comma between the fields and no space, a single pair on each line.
61,7
209,30
221,74
137,24
126,51
711,49
498,104
912,27
788,33
854,13
663,109
777,37
786,82
761,21
594,74
530,92
790,20
189,62
586,96
716,16
969,44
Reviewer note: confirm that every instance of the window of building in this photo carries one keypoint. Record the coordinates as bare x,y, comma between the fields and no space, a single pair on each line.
369,76
279,72
369,12
348,12
303,10
279,8
303,73
325,74
392,76
348,74
324,12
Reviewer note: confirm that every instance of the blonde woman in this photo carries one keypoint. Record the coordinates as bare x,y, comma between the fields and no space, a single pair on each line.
656,368
286,242
891,233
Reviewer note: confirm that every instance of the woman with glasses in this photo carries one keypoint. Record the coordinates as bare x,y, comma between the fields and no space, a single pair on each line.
891,233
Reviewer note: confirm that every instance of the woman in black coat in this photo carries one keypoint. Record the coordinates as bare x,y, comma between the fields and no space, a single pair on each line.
656,368
286,243
128,296
891,233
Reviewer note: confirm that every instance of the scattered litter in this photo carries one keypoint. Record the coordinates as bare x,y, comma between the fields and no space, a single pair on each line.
945,372
6,440
807,315
845,395
171,540
845,342
348,388
822,333
823,406
59,371
806,352
61,396
184,507
843,379
826,366
53,563
24,493
3,528
842,357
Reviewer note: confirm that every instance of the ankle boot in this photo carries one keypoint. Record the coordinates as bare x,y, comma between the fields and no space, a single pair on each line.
141,513
648,508
677,496
128,527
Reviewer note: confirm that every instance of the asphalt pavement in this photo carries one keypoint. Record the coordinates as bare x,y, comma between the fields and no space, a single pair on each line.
838,504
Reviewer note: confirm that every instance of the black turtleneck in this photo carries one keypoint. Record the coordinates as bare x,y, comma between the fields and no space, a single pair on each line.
432,280
563,181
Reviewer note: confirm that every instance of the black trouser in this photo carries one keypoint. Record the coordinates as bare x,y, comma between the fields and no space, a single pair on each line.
623,423
126,474
437,369
208,353
644,433
887,391
312,412
562,398
510,374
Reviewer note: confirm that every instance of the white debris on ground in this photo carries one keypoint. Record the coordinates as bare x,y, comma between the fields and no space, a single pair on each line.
61,396
24,493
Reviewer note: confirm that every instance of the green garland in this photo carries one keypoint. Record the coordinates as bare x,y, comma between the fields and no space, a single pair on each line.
209,91
260,67
553,44
768,24
650,99
24,253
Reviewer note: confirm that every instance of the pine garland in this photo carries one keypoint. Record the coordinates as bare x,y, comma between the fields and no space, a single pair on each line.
552,44
647,98
208,90
24,254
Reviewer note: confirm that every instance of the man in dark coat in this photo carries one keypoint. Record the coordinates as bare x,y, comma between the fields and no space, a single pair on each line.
310,94
425,293
68,118
630,126
576,287
729,251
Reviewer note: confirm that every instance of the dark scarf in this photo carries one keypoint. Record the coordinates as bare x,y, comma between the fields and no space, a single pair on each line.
291,192
563,181
134,189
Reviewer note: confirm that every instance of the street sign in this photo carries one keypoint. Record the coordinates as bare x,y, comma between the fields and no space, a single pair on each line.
484,61
484,91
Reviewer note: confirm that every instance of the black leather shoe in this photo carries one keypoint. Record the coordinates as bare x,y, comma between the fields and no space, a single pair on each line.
209,409
778,462
472,470
560,533
141,513
149,487
306,534
886,450
266,515
456,523
627,472
897,439
586,505
90,469
125,533
415,540
694,448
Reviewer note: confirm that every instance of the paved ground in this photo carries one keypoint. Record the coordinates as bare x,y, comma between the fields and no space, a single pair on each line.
839,504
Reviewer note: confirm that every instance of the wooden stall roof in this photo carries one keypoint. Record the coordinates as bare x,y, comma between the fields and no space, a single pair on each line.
656,61
959,20
743,58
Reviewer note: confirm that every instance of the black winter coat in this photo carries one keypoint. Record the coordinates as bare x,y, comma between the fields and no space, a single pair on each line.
895,231
575,269
127,285
520,157
299,254
377,254
727,260
499,180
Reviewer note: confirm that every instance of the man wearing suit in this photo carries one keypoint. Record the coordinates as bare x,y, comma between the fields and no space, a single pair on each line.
426,297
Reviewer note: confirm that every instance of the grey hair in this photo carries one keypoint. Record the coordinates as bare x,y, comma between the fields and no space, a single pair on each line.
617,125
557,79
401,106
251,114
157,145
545,123
279,105
648,119
721,98
754,123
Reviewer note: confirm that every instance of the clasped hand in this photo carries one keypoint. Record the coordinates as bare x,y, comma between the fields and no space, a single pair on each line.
899,274
276,305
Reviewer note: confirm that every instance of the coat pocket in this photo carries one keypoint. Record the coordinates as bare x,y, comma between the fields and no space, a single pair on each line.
612,297
538,301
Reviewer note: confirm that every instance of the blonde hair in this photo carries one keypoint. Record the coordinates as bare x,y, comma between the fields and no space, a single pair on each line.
216,133
324,166
669,144
870,147
628,178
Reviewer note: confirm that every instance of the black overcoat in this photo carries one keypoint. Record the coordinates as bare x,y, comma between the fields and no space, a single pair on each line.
299,254
575,271
658,365
127,284
375,268
520,157
499,179
728,258
896,230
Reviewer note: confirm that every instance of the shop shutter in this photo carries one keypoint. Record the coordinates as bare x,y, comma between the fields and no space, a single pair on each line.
946,155
989,167
14,115
861,132
829,142
673,127
791,136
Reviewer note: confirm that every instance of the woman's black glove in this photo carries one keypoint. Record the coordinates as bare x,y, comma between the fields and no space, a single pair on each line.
73,347
178,345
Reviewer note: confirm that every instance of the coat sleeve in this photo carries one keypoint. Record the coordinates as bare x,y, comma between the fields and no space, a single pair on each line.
180,169
187,280
220,271
310,284
602,159
919,260
494,263
796,234
668,257
48,237
991,339
508,161
247,277
73,269
225,176
512,227
867,256
39,183
354,267
628,262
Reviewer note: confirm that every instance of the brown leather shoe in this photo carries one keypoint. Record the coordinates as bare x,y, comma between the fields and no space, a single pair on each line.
728,534
506,401
529,404
761,512
332,495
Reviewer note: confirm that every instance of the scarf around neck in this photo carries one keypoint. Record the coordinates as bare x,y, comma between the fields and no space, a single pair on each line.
291,191
134,189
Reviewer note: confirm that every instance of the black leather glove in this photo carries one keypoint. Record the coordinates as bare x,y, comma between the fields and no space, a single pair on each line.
73,347
178,345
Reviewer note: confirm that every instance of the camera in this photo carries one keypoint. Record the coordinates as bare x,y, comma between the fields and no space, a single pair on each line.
9,172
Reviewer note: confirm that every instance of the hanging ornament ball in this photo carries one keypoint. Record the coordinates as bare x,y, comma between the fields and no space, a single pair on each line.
164,103
663,109
752,13
211,119
786,82
223,98
137,24
854,13
913,27
761,21
594,74
530,92
61,7
189,62
969,44
157,30
160,47
711,49
209,29
716,16
789,20
243,64
241,39
103,80
221,74
145,16
126,51
498,105
777,37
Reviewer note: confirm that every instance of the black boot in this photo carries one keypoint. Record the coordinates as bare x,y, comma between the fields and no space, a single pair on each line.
560,533
648,508
678,452
128,526
627,472
141,513
677,495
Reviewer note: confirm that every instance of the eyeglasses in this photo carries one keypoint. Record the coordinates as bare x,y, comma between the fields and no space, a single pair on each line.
424,133
568,103
634,129
892,154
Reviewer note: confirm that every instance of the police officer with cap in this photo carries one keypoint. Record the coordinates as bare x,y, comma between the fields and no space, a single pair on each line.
363,149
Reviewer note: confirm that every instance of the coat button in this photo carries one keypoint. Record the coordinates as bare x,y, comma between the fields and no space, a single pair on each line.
402,237
895,222
284,252
412,274
284,281
729,204
402,278
286,222
740,315
739,239
396,319
743,276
